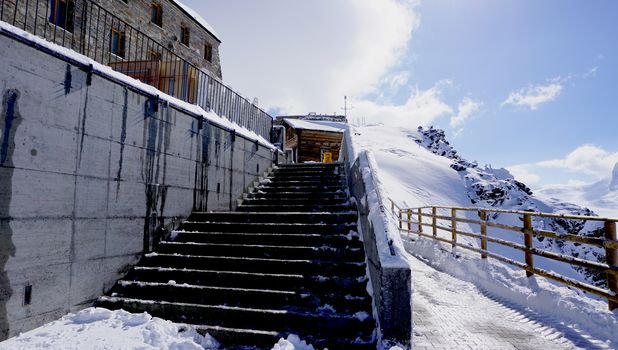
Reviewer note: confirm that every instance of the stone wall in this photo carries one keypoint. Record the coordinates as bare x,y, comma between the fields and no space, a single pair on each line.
90,175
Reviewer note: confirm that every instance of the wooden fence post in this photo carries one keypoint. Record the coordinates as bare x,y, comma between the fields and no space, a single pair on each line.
434,221
483,218
454,227
409,219
611,257
528,242
420,221
400,217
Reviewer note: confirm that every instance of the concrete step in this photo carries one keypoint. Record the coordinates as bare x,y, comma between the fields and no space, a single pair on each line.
271,299
296,201
297,208
276,182
269,227
327,268
264,340
322,196
327,325
311,165
305,177
311,189
323,253
314,284
273,217
347,241
312,172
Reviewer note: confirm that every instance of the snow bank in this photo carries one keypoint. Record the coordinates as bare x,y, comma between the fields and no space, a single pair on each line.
569,306
99,328
109,73
293,342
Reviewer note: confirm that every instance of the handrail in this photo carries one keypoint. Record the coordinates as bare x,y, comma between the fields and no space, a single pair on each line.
88,28
413,218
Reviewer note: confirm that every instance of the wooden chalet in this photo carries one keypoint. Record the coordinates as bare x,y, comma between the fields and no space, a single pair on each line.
312,140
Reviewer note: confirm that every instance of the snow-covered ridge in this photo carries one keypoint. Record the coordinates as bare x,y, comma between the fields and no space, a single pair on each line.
421,168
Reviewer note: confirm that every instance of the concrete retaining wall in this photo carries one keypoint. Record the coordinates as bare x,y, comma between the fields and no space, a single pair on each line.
89,177
389,272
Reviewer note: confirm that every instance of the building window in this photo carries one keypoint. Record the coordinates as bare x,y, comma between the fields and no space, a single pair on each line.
154,55
156,14
62,14
184,35
208,52
117,42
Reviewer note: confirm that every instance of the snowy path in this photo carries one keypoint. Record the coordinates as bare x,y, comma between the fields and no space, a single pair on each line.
453,314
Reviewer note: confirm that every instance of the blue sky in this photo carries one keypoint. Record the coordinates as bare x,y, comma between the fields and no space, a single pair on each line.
529,85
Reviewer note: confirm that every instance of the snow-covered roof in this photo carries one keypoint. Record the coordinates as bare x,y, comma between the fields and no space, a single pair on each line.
315,125
198,18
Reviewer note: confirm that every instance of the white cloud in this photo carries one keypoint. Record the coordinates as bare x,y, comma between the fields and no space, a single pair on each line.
587,163
305,56
533,96
587,159
397,80
467,107
522,173
421,108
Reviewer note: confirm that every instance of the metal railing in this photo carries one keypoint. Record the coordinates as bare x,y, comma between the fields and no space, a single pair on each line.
89,29
446,219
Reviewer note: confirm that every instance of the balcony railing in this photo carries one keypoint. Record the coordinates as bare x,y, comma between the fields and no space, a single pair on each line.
86,27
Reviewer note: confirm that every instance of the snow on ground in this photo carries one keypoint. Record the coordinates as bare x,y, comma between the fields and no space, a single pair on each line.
451,313
102,329
485,304
414,176
99,329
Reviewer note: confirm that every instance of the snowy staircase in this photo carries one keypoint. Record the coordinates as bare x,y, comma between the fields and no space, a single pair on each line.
289,261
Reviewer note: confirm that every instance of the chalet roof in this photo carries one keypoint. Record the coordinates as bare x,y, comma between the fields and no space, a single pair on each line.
198,18
315,125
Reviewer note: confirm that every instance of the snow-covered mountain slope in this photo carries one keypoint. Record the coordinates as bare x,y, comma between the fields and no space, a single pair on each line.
601,196
420,168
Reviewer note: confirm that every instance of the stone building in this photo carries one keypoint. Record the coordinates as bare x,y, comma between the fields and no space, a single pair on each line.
174,25
115,30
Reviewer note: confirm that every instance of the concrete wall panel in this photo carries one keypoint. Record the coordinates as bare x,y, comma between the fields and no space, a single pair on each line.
88,173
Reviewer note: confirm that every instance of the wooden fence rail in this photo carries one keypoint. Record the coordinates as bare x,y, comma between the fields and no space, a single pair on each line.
413,219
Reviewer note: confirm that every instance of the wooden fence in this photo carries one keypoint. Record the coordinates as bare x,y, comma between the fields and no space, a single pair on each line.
416,220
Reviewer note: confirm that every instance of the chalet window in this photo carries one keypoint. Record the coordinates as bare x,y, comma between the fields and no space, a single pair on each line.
184,35
117,42
208,52
62,14
156,14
